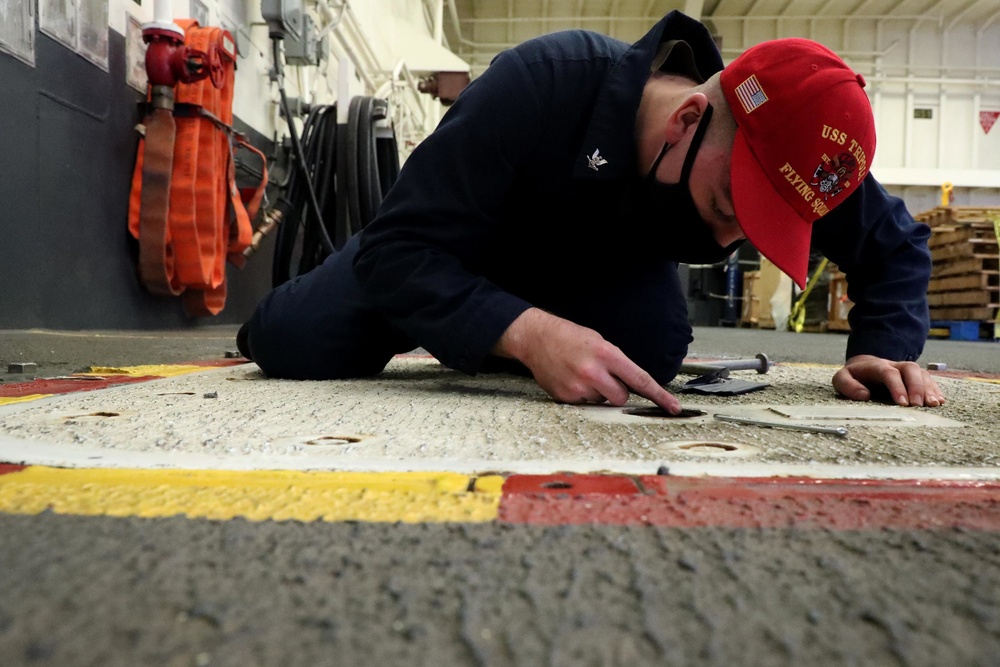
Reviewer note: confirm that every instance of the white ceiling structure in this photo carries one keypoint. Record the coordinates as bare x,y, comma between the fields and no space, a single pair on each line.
476,30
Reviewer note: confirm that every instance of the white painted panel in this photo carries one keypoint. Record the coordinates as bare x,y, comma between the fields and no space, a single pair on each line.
80,25
923,149
861,35
255,99
135,54
17,29
200,13
957,121
120,10
57,19
890,113
966,178
925,50
234,16
93,21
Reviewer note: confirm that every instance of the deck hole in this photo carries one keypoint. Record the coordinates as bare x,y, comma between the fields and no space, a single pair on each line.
557,485
660,413
94,414
177,393
334,440
709,446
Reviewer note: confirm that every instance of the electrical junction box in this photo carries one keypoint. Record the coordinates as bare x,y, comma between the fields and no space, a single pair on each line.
304,51
285,18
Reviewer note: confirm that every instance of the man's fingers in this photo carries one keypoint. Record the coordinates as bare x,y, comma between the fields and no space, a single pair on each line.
913,379
642,383
905,381
893,381
847,385
613,390
935,396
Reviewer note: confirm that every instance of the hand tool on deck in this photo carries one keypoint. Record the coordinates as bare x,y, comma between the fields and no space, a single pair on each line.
760,363
809,428
713,376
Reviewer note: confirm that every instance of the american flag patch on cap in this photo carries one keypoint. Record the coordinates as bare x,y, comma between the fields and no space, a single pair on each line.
750,93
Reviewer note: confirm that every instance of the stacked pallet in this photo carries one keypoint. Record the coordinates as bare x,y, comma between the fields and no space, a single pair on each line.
965,277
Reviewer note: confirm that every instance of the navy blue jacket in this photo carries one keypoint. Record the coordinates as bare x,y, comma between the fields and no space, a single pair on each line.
502,189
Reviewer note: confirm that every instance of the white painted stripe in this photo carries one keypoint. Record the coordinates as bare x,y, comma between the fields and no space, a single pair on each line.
75,456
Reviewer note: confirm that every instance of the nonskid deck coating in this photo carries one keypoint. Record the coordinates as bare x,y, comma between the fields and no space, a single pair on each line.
418,414
293,443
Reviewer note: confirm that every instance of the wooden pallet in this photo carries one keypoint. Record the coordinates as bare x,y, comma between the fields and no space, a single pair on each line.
950,215
969,265
965,272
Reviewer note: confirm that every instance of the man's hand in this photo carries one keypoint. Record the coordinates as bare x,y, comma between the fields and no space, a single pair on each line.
906,381
574,364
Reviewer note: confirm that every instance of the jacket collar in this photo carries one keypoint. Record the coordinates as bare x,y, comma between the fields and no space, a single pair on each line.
608,150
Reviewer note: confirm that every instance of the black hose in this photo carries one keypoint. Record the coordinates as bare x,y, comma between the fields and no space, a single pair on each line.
365,189
338,184
297,147
354,138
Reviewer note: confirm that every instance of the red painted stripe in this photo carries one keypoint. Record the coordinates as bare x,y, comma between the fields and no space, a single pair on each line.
7,468
766,503
67,386
964,375
564,484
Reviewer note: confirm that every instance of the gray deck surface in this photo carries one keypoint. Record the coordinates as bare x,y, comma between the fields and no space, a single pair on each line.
110,591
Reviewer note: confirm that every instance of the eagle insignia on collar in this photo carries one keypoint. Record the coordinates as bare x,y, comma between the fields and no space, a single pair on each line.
594,161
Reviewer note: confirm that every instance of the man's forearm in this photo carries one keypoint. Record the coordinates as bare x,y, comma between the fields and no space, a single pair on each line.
515,342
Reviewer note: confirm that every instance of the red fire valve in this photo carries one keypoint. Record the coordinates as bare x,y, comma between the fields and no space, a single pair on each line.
169,61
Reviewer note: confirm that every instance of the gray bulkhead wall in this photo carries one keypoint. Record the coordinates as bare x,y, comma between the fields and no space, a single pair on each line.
67,150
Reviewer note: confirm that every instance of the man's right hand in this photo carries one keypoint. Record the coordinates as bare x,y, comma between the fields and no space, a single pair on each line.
574,364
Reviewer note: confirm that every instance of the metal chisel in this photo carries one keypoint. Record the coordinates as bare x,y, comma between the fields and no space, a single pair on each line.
826,430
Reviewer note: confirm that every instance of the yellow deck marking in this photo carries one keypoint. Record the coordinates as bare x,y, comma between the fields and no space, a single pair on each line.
7,400
160,370
987,380
255,495
490,484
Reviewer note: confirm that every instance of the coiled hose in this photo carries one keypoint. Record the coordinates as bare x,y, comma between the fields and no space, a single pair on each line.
342,173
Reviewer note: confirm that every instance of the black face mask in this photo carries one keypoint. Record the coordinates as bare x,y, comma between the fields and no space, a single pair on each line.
685,236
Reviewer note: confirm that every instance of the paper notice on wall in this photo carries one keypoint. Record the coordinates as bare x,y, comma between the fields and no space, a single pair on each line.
987,119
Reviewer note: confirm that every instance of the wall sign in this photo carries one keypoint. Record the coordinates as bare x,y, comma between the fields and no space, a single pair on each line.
987,118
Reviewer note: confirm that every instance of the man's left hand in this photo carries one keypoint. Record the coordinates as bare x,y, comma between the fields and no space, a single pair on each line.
907,383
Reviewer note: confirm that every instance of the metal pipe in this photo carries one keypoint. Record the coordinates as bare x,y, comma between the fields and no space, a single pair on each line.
760,363
332,22
163,20
163,11
438,21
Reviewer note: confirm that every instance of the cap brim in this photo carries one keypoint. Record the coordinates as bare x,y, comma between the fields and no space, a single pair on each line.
768,221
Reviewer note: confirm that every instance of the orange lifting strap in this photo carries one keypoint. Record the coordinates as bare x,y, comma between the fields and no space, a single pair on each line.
185,208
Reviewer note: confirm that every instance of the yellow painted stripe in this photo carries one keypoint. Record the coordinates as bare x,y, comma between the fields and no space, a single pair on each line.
7,400
254,495
160,370
490,484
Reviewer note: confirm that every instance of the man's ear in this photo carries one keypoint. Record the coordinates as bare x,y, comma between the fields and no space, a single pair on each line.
685,117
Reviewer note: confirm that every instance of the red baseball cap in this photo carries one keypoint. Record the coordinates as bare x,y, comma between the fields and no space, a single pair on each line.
805,139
